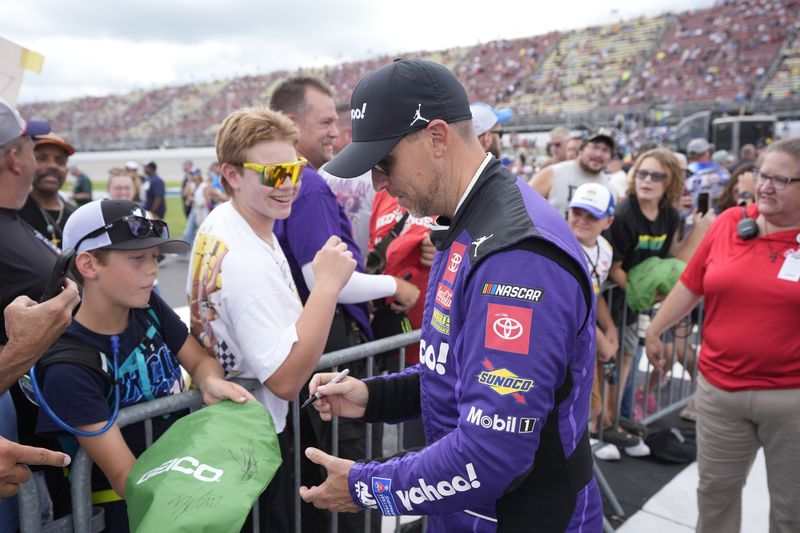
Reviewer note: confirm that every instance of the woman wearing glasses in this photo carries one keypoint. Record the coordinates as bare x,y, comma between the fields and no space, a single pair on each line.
646,225
748,270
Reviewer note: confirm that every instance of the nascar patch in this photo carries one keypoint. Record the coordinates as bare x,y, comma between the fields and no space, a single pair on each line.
382,490
515,292
508,328
504,382
440,322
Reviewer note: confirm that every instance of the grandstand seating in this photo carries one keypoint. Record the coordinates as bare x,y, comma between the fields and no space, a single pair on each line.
717,53
733,52
785,83
585,68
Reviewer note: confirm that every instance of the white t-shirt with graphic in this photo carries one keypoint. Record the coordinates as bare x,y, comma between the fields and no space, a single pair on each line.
243,302
598,259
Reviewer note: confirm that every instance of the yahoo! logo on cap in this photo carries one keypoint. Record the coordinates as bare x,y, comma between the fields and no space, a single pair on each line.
358,114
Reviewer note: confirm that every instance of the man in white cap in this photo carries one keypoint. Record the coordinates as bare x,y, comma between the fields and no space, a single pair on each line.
704,174
486,121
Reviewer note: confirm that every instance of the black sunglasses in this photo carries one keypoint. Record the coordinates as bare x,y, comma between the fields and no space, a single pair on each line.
139,227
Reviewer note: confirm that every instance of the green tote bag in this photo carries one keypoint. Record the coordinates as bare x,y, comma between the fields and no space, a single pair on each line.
205,472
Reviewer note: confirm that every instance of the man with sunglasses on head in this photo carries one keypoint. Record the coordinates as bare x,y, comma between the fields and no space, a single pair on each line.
244,304
507,343
316,216
557,183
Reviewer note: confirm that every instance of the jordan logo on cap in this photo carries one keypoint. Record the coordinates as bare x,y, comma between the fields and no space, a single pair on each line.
418,116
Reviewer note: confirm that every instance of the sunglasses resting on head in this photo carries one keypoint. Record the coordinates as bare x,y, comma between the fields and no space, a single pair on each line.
139,227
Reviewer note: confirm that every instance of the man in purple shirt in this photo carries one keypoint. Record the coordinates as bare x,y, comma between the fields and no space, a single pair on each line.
316,215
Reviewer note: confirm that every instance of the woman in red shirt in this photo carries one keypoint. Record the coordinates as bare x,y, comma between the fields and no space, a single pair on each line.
748,393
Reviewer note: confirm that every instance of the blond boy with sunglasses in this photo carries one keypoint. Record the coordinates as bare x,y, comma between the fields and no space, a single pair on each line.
244,304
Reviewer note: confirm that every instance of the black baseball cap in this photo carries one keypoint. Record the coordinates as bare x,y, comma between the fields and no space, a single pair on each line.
600,137
393,101
101,214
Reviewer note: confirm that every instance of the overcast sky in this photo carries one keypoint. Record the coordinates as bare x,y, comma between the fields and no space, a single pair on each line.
94,47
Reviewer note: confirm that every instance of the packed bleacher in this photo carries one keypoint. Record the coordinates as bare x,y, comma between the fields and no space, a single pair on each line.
734,53
785,83
718,53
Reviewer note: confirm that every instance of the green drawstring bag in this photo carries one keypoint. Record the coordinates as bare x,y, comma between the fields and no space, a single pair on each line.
205,472
651,276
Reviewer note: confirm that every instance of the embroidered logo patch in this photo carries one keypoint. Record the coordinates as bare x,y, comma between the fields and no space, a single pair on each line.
516,292
382,489
457,252
508,328
441,322
444,296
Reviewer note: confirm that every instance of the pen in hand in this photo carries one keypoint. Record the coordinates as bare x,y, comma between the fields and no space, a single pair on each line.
336,379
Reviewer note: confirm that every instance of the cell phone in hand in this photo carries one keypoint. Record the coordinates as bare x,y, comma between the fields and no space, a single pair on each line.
56,282
702,202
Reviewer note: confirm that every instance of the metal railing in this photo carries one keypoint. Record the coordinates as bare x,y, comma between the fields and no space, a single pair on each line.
86,519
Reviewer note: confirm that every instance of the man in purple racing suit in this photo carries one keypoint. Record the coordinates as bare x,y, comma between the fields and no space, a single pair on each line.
507,344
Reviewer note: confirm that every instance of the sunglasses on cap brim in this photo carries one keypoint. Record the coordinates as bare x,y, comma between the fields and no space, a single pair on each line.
139,227
276,174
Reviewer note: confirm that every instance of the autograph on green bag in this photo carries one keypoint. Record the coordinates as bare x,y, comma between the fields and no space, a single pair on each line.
248,461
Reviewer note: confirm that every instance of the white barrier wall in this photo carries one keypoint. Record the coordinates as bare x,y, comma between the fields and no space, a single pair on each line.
169,162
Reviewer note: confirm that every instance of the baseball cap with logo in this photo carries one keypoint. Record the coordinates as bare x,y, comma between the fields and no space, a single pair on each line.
12,125
393,101
594,198
117,225
485,117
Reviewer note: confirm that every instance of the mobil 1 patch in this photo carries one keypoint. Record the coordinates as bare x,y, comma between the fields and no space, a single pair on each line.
513,292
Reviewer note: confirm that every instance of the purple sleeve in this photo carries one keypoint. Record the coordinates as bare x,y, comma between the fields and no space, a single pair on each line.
315,217
510,354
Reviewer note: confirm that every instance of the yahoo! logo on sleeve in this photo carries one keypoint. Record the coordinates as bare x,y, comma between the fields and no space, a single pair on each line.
429,493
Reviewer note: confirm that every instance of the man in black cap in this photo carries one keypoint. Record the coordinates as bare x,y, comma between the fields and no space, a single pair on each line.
507,347
558,182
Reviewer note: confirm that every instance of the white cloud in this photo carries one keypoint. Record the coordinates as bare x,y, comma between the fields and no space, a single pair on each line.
96,48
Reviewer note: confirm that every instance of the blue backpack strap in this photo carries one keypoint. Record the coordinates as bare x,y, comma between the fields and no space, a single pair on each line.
138,353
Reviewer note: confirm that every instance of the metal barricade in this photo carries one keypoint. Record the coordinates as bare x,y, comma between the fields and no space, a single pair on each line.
644,393
86,520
